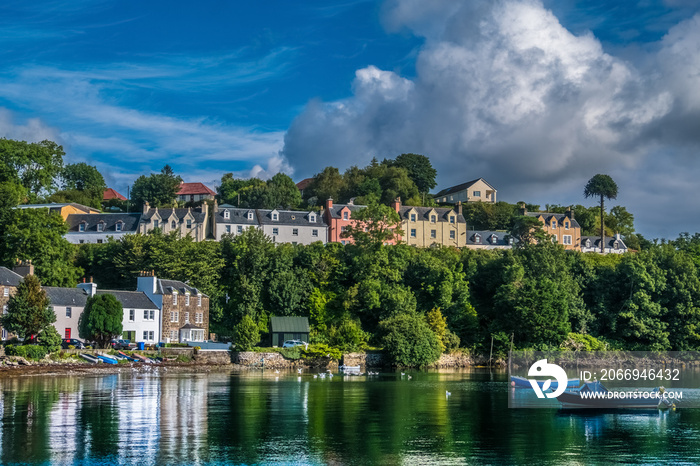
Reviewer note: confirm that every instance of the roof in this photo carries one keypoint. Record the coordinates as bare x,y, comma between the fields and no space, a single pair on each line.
289,324
131,299
167,287
462,187
502,238
337,208
130,222
57,206
303,184
66,296
424,212
187,189
179,213
9,278
112,194
236,215
548,216
608,241
290,217
189,326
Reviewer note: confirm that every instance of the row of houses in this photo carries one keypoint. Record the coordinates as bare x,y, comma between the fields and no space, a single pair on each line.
157,311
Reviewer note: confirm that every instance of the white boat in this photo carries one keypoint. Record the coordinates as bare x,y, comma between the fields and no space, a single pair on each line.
90,358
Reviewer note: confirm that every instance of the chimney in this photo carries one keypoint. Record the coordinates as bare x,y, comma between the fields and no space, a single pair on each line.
396,204
458,208
146,207
146,282
216,206
351,201
329,203
24,268
570,212
523,208
89,288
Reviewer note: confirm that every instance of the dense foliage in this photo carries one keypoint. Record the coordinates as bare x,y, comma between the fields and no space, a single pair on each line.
101,320
158,189
28,311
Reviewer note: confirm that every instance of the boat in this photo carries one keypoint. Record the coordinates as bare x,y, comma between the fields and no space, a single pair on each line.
126,356
349,368
583,397
107,359
522,382
90,358
144,359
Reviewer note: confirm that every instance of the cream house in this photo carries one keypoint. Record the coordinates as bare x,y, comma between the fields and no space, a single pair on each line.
472,191
428,226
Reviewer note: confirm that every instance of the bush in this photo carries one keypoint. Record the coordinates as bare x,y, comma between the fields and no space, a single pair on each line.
408,341
35,352
450,340
246,334
321,350
349,336
50,339
581,342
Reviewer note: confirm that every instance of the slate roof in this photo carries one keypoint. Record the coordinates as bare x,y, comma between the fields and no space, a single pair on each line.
502,238
303,184
289,324
9,278
131,299
167,287
179,213
608,242
236,215
130,222
66,296
462,187
548,216
112,194
289,217
187,189
335,210
423,213
53,206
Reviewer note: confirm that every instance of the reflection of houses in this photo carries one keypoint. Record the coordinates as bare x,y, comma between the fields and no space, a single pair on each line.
194,192
184,309
613,245
427,226
563,228
187,222
489,239
287,226
9,281
183,419
288,328
230,220
97,228
472,191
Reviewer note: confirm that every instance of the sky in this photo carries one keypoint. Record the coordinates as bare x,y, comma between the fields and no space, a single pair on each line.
535,96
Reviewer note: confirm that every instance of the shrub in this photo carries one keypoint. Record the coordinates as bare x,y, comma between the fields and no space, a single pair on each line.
321,350
349,336
50,339
408,341
581,342
35,352
246,334
450,340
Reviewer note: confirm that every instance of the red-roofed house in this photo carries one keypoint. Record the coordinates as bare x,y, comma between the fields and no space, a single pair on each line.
110,194
303,184
192,192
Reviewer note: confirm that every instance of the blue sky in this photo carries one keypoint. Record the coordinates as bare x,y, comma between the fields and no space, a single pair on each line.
535,96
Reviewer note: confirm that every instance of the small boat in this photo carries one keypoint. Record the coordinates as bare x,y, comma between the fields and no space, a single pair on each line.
126,356
521,382
90,358
107,359
595,395
349,368
144,359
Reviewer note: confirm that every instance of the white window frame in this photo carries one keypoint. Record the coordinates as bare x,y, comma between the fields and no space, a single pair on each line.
82,227
118,226
145,314
189,223
69,312
433,233
174,298
433,218
346,216
228,228
567,239
452,219
6,291
100,227
174,316
187,299
227,214
413,217
312,218
554,224
239,229
132,315
295,232
413,233
199,300
275,231
314,233
452,234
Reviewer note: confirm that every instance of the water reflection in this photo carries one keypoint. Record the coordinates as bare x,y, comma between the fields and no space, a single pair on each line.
262,417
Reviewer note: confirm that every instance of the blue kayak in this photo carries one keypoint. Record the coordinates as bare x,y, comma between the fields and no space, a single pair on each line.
107,359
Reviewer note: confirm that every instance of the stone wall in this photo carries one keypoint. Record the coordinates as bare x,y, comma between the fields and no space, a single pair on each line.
277,361
213,357
363,359
367,360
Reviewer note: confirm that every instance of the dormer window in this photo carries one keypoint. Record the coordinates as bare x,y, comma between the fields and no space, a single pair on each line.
477,239
173,224
494,239
118,226
312,218
346,216
433,218
511,240
413,217
566,225
616,245
452,219
588,243
189,223
101,226
82,226
250,215
275,216
227,214
155,224
554,223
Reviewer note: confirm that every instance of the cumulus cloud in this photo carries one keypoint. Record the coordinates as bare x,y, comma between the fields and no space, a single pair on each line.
504,91
32,130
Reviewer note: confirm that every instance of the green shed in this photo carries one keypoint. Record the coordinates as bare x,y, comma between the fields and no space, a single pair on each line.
288,328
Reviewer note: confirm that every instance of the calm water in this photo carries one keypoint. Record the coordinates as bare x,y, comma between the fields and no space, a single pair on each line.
253,418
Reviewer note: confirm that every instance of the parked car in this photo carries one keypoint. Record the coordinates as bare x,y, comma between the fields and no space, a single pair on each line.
66,342
123,345
293,343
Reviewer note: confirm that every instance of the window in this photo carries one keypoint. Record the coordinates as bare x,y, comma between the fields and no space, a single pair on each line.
312,218
189,223
187,299
4,309
554,223
494,239
173,224
343,228
477,193
4,334
250,215
82,241
554,240
152,315
199,300
452,234
175,298
274,216
118,226
295,232
566,225
174,316
239,229
145,334
101,226
477,238
173,335
452,219
567,239
433,233
187,317
199,318
275,231
452,198
444,199
227,214
155,224
82,226
228,228
433,219
616,245
150,335
413,217
69,311
588,243
511,240
413,232
132,315
99,241
145,315
345,216
67,333
6,292
314,232
342,242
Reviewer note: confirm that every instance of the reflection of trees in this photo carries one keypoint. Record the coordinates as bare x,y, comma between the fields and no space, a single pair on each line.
98,419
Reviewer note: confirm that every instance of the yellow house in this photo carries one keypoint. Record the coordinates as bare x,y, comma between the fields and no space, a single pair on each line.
564,229
428,226
472,191
64,209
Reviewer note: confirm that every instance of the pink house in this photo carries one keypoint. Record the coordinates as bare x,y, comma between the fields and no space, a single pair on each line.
339,217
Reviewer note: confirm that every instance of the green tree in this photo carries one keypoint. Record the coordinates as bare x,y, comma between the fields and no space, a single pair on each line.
246,334
29,311
438,324
327,184
83,177
374,225
408,341
527,230
50,339
101,320
282,192
419,169
606,188
159,189
621,221
32,165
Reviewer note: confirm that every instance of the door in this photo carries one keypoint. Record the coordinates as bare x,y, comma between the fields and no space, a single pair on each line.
67,334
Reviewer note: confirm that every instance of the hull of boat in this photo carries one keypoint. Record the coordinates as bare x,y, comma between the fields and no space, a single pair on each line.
521,382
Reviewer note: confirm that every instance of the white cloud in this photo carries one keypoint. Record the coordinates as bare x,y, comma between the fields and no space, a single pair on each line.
33,129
